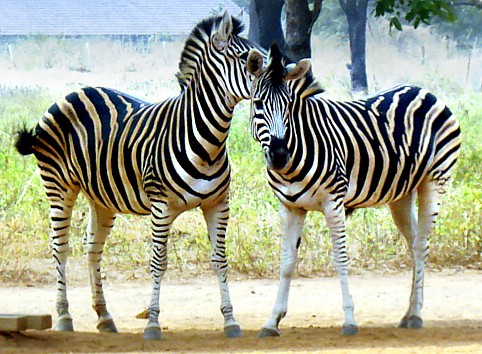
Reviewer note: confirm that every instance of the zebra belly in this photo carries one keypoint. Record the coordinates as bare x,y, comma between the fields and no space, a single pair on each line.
134,202
296,195
365,191
173,201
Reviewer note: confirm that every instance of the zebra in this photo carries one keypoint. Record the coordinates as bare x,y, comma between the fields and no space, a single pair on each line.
161,159
325,155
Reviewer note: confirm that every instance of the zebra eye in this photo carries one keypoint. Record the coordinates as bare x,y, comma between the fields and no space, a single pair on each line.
258,103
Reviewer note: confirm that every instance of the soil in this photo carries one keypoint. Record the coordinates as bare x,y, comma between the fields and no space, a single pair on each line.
191,320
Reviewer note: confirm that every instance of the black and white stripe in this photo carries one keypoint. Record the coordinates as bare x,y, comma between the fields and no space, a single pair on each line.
129,156
388,149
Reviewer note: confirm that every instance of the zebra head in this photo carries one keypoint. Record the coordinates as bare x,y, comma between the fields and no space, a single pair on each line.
216,51
271,103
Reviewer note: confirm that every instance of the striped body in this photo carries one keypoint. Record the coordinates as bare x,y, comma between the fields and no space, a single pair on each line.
369,152
393,148
123,153
128,156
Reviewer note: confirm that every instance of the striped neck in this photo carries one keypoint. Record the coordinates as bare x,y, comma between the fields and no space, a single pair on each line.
207,121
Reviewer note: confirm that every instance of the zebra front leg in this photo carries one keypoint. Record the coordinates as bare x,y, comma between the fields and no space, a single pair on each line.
292,222
335,219
101,221
161,226
61,206
217,217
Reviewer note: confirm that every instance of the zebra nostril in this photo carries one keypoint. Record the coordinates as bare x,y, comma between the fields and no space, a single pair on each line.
279,159
278,154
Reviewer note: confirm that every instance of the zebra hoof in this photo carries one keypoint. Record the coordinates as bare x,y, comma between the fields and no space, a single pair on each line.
233,331
64,324
349,330
268,332
106,326
411,322
152,333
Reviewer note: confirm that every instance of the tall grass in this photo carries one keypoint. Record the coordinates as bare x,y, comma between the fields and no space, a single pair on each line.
42,69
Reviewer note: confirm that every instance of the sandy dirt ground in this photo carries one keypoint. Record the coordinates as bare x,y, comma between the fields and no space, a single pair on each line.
191,320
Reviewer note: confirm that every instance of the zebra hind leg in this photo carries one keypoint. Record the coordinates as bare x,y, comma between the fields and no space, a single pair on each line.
61,205
100,223
217,221
429,193
405,218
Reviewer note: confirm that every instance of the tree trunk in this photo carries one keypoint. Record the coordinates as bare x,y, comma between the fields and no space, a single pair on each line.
299,23
265,22
356,14
253,34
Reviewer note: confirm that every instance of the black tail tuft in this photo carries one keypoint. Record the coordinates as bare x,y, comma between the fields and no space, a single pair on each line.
25,141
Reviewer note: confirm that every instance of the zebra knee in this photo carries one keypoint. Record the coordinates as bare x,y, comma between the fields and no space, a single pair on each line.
288,262
60,253
158,262
218,263
287,269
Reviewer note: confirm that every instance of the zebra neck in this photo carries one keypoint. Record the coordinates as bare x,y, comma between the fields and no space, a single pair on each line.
309,139
206,118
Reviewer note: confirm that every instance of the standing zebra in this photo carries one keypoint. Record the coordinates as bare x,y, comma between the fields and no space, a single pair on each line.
161,159
327,156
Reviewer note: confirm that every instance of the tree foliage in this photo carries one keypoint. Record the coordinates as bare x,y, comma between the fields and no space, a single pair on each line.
466,29
414,12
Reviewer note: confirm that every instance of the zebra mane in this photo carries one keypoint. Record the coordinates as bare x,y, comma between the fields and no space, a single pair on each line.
196,44
311,86
276,67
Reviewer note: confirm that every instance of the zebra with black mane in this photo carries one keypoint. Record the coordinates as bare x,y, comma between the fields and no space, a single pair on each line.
161,159
331,156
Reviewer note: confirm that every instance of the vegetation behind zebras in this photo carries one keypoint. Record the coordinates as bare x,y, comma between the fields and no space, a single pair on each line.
253,240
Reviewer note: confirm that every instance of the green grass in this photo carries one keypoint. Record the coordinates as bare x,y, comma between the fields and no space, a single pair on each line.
253,233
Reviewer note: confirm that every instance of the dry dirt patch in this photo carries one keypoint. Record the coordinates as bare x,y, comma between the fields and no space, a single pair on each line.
192,322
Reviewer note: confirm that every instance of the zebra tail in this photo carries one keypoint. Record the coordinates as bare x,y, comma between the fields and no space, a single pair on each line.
25,141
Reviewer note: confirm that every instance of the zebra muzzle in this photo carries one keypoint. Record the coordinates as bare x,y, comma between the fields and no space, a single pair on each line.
277,155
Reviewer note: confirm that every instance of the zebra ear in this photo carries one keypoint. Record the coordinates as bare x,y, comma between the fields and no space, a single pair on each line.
221,35
255,62
299,70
